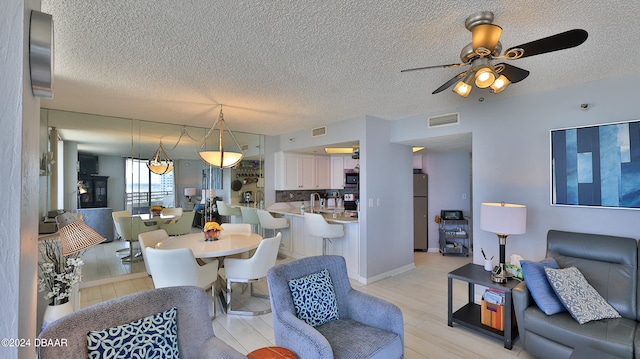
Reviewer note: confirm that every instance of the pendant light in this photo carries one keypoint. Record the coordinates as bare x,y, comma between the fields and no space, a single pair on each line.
222,158
160,163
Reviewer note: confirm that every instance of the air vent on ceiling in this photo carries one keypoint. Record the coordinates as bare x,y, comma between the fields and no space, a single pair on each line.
444,120
319,131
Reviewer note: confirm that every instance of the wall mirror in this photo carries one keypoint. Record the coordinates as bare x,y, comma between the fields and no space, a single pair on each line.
96,165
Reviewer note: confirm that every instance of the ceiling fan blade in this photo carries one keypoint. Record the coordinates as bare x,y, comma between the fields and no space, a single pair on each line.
434,67
561,41
448,84
514,74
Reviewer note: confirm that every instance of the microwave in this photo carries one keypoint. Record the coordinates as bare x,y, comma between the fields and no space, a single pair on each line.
351,179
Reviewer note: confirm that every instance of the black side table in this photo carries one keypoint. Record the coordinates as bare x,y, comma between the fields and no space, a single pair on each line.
470,314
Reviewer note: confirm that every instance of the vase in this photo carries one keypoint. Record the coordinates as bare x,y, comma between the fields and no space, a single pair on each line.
55,312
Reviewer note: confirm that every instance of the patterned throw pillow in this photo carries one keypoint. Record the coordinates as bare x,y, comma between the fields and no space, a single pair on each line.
314,298
539,286
155,336
578,296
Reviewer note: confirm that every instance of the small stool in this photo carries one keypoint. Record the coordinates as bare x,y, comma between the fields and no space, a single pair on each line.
317,226
249,216
272,353
228,211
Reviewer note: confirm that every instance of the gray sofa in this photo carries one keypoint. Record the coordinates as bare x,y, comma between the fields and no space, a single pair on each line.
610,265
195,331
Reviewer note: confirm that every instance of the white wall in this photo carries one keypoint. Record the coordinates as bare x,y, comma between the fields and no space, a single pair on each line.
511,154
19,120
449,175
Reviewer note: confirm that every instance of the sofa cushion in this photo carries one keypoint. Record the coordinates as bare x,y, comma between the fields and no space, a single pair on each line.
363,341
314,298
538,284
155,336
578,296
615,336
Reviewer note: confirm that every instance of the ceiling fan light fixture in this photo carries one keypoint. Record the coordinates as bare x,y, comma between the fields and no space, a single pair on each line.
500,84
485,76
485,38
222,158
160,163
463,87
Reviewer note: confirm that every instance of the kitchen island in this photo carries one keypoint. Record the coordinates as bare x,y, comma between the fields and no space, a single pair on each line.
297,243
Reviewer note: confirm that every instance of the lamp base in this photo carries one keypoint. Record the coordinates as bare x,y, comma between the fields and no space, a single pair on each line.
499,274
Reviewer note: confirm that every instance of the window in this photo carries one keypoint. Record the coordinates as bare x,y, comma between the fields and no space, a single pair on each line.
145,188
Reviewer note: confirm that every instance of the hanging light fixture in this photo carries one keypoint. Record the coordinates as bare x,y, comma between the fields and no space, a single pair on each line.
160,163
222,158
463,87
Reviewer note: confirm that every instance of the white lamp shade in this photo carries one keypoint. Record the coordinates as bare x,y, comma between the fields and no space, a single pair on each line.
503,218
189,191
220,159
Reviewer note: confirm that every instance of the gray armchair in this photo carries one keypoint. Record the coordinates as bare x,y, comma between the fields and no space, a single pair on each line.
368,327
195,331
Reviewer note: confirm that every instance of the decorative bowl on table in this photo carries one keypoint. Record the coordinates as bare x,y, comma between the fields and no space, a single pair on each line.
155,210
211,231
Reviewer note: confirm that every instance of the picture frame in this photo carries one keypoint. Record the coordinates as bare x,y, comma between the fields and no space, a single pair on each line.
596,166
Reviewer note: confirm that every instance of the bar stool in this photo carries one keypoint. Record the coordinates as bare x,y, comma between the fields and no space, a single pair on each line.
249,216
317,226
228,211
267,221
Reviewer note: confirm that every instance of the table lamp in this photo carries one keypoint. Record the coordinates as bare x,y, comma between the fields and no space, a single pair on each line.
189,192
75,235
503,219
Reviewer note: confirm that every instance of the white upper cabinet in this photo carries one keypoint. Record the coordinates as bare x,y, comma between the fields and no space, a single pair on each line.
337,172
295,171
323,172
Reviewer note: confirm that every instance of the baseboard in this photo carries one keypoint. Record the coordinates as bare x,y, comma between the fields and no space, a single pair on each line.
390,273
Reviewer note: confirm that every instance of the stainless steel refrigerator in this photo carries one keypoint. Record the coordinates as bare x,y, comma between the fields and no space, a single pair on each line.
420,232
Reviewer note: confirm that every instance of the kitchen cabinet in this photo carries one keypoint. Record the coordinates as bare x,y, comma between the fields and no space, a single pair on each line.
297,171
323,172
350,163
337,172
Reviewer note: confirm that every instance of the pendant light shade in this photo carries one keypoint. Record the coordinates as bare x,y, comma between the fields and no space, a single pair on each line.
222,158
463,87
160,163
500,84
485,38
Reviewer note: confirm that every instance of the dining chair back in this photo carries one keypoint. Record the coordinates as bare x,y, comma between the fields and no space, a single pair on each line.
171,211
149,240
178,267
181,226
250,216
237,227
317,226
251,270
117,214
131,227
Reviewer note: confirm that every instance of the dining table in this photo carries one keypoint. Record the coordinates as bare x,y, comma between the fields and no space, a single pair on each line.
149,219
228,243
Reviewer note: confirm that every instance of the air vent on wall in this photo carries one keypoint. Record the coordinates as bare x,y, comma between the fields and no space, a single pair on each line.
444,120
244,148
319,131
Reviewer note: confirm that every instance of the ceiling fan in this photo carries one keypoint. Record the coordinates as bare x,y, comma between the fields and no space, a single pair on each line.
485,48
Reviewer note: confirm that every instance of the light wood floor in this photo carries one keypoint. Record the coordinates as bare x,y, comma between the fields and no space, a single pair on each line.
420,293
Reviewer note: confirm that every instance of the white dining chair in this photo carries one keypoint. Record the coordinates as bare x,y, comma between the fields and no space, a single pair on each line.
317,226
149,240
251,270
131,227
250,216
178,267
115,215
171,211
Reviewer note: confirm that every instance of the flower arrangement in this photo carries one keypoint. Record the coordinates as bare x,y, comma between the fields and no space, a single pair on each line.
156,210
211,231
58,273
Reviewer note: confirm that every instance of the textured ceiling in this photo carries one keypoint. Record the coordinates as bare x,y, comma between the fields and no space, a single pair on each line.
282,66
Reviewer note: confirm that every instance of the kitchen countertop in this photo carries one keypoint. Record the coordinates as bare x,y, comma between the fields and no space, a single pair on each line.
282,208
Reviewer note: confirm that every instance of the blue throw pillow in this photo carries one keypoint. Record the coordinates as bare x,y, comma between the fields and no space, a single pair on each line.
155,336
314,298
539,287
